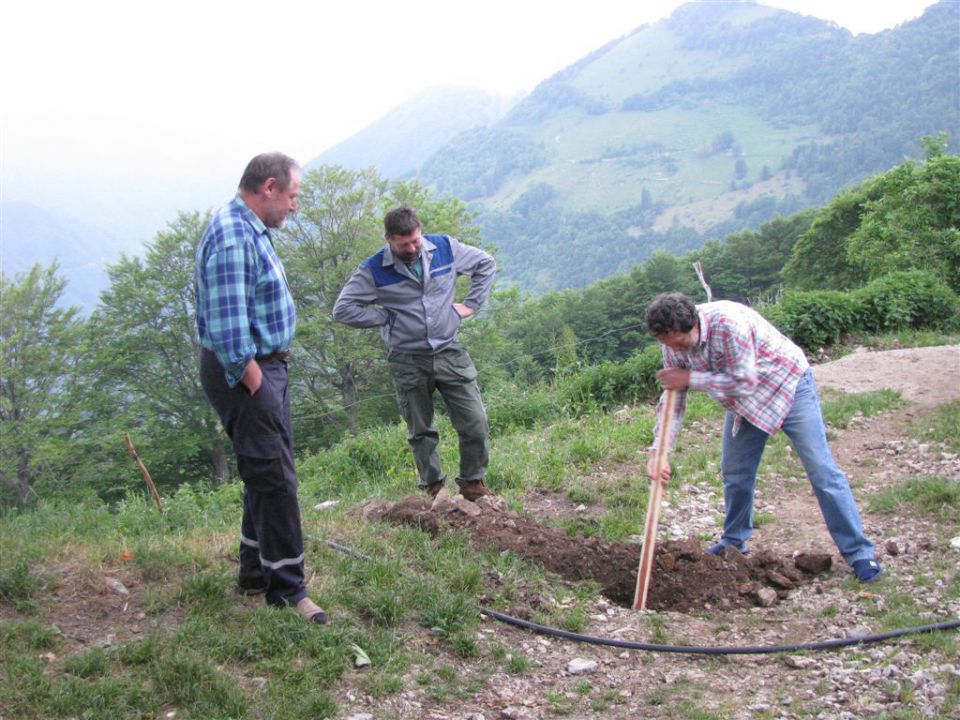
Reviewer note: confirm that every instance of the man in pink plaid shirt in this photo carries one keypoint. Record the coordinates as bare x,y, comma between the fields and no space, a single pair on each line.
733,354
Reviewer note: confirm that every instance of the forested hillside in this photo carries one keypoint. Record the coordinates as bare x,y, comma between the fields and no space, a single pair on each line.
881,257
717,119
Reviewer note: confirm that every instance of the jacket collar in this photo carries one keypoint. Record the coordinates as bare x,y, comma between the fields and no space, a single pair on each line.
426,251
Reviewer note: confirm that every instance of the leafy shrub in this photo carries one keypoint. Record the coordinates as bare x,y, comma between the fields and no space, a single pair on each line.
816,318
909,299
513,407
898,301
610,384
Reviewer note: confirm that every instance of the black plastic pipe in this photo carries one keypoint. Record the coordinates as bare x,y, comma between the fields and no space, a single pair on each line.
692,649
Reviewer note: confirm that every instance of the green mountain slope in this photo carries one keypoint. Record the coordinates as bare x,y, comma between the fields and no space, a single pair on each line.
716,119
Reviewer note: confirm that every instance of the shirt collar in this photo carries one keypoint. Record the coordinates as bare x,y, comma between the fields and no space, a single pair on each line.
250,216
703,329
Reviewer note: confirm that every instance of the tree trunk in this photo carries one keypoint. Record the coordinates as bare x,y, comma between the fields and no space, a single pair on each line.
348,395
219,469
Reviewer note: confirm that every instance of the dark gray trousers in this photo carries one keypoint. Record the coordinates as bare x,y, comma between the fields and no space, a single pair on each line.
271,537
452,373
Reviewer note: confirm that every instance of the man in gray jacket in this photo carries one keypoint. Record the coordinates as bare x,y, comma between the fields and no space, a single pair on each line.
407,290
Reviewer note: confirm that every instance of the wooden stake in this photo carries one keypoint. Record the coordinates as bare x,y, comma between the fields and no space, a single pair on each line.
653,507
146,473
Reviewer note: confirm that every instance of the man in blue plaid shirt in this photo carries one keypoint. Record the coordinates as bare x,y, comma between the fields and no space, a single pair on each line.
246,321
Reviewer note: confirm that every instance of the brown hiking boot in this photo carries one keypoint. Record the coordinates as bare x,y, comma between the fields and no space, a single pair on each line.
433,489
473,491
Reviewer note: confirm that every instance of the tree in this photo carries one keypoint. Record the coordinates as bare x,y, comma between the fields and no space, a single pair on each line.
905,218
343,370
819,260
337,226
145,358
39,344
914,223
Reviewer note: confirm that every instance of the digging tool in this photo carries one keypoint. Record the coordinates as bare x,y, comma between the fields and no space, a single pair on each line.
653,507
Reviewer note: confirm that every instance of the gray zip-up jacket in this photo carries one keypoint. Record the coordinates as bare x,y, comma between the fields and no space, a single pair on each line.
415,317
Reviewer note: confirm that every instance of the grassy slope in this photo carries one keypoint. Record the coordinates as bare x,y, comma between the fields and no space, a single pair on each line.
412,609
588,176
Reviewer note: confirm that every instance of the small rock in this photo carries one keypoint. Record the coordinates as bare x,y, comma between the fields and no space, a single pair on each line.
118,587
955,542
361,716
892,548
780,580
813,563
493,502
767,597
579,666
326,504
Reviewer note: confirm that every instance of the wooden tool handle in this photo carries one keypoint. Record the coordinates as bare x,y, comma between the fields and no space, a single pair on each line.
653,506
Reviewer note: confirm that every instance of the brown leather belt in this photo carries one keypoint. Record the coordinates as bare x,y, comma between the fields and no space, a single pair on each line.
281,355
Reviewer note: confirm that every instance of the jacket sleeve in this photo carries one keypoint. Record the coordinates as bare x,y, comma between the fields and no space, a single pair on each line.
356,305
479,266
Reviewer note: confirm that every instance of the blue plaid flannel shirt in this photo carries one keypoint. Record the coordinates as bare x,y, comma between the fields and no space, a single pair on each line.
244,306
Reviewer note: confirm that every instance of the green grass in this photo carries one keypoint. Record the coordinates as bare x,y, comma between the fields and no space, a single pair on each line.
413,609
943,426
840,408
937,497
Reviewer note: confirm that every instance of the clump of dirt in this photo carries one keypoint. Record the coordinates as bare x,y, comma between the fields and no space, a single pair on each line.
684,577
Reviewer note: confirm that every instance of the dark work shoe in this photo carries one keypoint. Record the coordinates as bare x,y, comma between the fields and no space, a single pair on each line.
473,491
433,489
867,571
720,547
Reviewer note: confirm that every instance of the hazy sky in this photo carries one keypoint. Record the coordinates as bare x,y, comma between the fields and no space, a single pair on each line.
102,97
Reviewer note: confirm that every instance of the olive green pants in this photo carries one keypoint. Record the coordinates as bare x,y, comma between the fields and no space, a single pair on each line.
452,373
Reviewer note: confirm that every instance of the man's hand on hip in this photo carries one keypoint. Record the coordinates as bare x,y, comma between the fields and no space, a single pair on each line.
464,311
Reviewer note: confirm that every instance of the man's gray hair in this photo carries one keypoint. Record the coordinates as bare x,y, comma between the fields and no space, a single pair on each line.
266,166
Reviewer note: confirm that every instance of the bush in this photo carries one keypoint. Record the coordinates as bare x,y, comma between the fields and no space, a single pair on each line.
898,301
816,318
512,407
610,384
908,299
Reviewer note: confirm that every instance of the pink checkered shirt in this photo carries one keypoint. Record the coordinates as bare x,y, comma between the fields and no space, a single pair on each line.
743,362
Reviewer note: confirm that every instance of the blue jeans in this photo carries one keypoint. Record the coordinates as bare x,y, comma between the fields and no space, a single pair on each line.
804,426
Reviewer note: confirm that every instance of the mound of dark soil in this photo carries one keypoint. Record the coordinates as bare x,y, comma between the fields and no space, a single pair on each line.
684,577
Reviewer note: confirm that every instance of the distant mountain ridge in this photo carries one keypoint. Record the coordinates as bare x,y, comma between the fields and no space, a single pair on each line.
37,235
716,119
401,140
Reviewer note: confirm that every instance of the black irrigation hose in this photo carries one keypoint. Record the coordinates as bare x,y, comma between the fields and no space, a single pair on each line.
691,649
733,650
